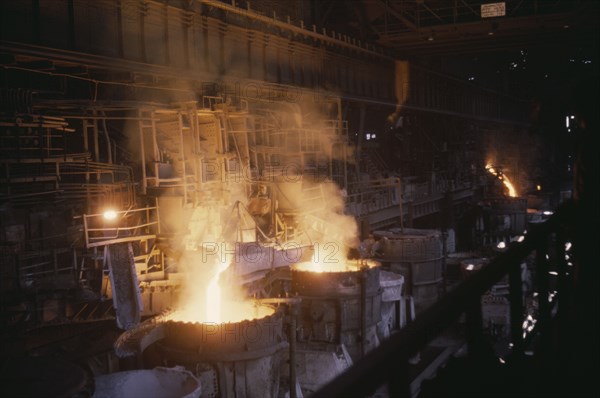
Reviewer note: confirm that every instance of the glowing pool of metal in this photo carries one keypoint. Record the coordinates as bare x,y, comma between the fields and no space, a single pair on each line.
210,340
340,266
231,312
346,279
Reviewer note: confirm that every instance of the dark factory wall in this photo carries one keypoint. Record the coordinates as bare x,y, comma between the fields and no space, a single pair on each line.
197,41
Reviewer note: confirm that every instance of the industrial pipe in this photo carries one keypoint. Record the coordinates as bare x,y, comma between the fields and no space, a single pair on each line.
363,311
292,337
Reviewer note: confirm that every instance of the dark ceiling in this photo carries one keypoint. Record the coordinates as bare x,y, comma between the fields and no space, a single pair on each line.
414,28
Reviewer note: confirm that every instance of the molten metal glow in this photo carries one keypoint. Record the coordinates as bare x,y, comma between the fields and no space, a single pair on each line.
325,266
231,312
216,304
512,192
213,296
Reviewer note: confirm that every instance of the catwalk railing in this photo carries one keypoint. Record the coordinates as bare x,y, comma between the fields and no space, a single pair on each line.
388,364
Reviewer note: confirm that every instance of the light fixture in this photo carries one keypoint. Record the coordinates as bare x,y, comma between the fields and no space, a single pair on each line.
430,38
110,215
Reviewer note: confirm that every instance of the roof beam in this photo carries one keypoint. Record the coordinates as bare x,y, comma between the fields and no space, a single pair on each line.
398,15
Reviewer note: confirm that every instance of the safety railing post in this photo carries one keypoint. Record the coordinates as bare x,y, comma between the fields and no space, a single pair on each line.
542,272
516,308
473,332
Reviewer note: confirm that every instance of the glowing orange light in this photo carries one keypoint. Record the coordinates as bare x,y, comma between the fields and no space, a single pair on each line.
512,192
321,266
221,305
213,296
110,215
344,265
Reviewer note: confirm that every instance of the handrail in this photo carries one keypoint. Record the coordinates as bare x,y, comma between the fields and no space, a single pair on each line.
388,363
99,232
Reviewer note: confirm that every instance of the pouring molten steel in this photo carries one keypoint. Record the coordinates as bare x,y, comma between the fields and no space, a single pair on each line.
221,305
512,192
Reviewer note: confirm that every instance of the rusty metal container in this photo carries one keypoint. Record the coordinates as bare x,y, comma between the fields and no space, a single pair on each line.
215,341
339,307
416,254
236,359
158,382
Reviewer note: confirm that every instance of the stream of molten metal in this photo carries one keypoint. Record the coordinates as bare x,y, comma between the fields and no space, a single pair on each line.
512,192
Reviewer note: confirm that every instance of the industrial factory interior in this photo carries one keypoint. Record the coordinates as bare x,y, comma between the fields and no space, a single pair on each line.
299,198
